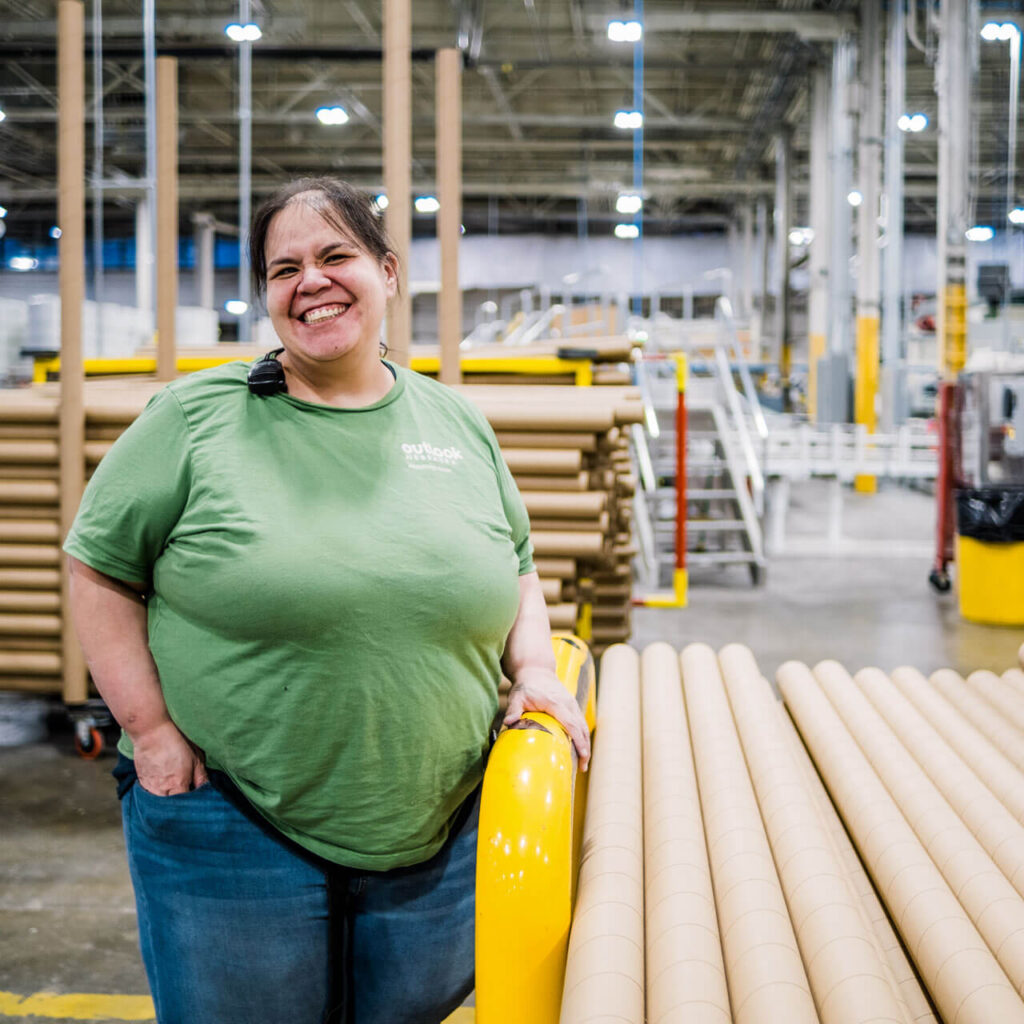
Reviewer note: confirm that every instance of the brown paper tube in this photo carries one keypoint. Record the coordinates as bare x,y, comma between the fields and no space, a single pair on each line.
983,891
28,554
30,531
685,972
996,770
508,416
600,523
604,973
29,601
547,439
552,588
562,616
27,511
965,982
617,611
1000,733
989,821
603,633
27,431
563,568
28,664
30,625
1014,679
762,962
565,544
571,482
903,979
30,579
542,461
29,492
23,472
33,643
847,972
1009,704
610,591
31,684
30,452
30,408
95,450
555,505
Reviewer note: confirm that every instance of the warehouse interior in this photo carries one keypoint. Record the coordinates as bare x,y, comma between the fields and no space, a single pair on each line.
740,290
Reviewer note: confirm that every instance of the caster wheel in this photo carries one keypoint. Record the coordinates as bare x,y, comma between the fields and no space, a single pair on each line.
89,743
940,581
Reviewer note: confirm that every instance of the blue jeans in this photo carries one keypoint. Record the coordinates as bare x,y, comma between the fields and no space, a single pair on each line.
238,925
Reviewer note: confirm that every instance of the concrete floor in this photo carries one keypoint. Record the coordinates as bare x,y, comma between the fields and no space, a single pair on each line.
66,909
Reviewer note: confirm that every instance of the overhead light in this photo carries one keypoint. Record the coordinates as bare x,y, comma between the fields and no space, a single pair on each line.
629,119
855,197
55,232
625,31
980,233
381,201
1016,216
426,204
236,307
629,202
332,115
912,122
990,31
3,212
1007,31
243,33
3,115
22,263
801,236
627,231
462,229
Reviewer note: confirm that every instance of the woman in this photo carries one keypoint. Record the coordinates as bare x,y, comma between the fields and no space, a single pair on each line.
298,606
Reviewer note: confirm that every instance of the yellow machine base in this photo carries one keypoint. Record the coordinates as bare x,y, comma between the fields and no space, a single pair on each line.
990,581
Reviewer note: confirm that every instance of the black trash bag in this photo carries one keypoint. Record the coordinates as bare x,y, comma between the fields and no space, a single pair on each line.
991,514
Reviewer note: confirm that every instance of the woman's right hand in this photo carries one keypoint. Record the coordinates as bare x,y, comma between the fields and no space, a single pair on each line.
165,762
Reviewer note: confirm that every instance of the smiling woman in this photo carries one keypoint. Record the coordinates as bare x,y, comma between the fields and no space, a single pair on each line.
299,603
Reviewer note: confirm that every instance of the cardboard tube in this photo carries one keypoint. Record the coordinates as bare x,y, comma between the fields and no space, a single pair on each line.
32,684
166,215
29,531
543,461
964,979
573,545
685,971
1014,679
29,601
509,415
996,770
28,663
601,523
562,616
448,123
19,452
1000,733
847,973
31,492
762,962
989,821
28,555
573,482
552,588
29,579
550,439
1009,704
29,625
563,568
992,904
604,974
562,505
904,980
95,450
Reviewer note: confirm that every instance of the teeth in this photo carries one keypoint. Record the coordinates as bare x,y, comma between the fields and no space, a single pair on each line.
324,313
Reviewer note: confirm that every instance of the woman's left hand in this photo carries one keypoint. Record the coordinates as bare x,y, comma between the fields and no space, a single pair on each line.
539,689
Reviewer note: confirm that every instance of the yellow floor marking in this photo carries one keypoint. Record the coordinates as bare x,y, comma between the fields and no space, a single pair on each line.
77,1006
463,1015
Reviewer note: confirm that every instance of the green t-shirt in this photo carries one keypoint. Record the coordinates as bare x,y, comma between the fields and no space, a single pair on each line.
332,591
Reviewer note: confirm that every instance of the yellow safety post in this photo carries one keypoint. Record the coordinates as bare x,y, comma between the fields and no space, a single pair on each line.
816,351
531,810
866,390
954,335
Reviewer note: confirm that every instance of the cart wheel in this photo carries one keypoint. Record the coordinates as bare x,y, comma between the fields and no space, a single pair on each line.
939,580
89,744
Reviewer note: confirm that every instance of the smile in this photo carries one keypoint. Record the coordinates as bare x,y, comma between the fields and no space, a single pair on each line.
316,316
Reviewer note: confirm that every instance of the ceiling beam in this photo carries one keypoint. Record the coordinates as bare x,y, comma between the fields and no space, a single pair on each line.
809,25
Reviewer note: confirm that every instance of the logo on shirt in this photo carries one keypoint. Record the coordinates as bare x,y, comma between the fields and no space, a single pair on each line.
425,455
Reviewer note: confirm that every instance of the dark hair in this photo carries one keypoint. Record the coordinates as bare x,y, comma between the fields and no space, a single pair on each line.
340,204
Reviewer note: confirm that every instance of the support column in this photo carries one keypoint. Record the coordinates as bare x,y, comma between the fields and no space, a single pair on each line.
894,401
868,282
245,321
71,250
166,215
821,243
205,239
397,166
748,260
783,218
449,217
952,81
143,255
764,249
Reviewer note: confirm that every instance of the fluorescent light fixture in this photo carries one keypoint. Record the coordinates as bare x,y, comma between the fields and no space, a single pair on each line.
22,263
629,202
462,229
625,31
990,31
236,307
855,197
1007,31
1016,216
381,201
332,115
629,119
980,233
55,232
903,123
918,122
426,204
3,115
801,236
3,212
627,231
243,33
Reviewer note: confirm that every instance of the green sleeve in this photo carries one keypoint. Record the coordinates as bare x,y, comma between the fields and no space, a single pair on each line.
136,495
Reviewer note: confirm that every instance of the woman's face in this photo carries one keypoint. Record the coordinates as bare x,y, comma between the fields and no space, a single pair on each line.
326,295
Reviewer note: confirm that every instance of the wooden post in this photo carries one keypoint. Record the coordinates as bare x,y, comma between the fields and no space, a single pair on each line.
71,219
397,166
449,218
166,215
